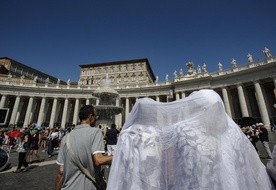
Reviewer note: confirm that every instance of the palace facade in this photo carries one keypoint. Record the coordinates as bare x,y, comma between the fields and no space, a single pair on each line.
35,97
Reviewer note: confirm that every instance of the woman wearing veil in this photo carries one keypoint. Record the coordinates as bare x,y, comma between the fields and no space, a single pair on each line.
186,144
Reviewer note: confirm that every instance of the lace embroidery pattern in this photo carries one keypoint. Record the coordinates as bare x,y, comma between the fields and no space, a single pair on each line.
198,147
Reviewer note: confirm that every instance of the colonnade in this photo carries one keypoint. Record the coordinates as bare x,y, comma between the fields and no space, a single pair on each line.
44,106
64,110
224,92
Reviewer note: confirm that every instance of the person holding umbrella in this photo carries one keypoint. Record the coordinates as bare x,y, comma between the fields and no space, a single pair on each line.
22,149
12,135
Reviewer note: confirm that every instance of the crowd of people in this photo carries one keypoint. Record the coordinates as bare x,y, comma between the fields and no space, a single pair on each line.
258,132
30,141
99,142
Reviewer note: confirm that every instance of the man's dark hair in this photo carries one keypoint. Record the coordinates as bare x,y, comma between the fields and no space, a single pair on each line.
85,111
113,125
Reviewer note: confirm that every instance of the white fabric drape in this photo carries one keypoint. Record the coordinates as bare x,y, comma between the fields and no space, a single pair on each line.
186,144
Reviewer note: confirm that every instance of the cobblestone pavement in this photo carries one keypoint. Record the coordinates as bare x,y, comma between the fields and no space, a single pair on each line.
41,176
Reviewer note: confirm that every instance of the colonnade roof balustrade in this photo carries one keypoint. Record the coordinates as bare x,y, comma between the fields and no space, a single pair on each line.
17,81
232,83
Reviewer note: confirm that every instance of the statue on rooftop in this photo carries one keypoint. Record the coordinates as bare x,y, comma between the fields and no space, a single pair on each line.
157,79
198,69
181,74
250,59
190,67
167,78
220,66
234,63
204,68
267,52
68,82
175,74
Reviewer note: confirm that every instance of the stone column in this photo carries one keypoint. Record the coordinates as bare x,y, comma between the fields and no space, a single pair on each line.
117,116
59,111
46,110
14,110
183,95
87,101
3,101
76,111
127,108
28,112
274,87
226,102
120,120
157,98
19,111
33,110
97,101
262,105
53,113
41,111
177,96
242,101
64,113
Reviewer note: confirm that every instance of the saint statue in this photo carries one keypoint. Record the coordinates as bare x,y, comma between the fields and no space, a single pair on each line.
250,59
198,69
181,74
167,78
234,63
190,67
204,68
68,82
220,66
47,80
58,81
157,79
175,74
267,52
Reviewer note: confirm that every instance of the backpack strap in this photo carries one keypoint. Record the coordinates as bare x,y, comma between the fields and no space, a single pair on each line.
78,163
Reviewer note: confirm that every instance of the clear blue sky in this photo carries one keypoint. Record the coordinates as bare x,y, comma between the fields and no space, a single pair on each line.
56,36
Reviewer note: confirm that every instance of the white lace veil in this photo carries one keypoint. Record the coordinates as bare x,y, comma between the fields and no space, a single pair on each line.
185,144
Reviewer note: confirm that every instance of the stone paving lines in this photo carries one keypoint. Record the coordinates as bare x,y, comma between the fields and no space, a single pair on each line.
40,176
